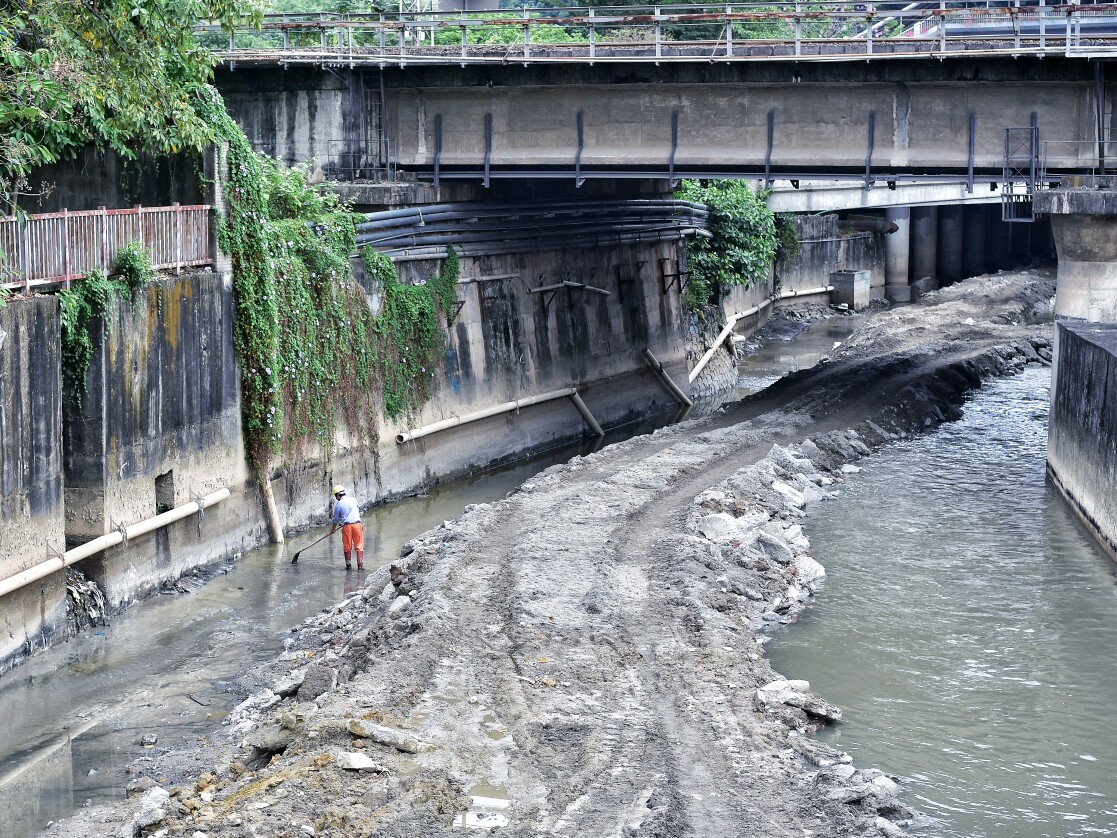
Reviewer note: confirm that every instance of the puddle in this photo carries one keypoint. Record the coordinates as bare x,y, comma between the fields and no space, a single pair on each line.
488,808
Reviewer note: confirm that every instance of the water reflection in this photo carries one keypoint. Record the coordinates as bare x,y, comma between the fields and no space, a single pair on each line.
966,627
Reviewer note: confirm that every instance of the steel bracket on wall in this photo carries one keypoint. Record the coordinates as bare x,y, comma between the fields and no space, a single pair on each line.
548,291
437,147
488,146
455,309
869,154
972,150
677,278
768,153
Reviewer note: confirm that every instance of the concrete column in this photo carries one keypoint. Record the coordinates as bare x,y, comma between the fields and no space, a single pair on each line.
1087,279
924,250
998,240
951,227
896,246
973,241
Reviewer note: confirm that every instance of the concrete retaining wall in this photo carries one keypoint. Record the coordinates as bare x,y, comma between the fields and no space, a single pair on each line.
508,343
825,248
31,502
159,425
1082,435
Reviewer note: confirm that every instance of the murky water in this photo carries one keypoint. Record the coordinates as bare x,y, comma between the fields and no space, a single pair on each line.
776,359
74,717
967,628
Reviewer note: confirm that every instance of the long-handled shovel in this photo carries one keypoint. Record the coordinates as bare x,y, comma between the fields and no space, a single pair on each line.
295,557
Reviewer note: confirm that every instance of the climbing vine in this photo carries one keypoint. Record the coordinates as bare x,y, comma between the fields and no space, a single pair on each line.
79,307
408,333
743,244
134,268
312,352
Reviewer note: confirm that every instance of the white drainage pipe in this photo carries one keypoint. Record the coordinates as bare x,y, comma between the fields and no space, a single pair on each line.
506,407
104,542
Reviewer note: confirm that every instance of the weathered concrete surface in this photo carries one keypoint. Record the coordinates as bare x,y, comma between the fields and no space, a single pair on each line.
31,499
1082,437
159,425
507,343
826,247
586,649
1087,246
821,113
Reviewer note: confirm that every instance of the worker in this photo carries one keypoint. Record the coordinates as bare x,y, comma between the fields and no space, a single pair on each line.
347,515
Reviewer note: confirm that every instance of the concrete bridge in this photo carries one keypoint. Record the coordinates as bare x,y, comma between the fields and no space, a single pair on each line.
862,108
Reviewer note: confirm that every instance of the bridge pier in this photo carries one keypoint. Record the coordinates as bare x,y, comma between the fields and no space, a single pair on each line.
1082,428
973,243
924,250
896,251
951,237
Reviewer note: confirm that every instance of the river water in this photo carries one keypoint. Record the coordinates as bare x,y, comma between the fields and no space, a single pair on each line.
967,627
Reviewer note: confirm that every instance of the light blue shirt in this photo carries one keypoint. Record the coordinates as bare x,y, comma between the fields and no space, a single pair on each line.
347,511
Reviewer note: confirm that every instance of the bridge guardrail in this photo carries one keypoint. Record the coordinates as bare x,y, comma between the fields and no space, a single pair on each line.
824,31
57,247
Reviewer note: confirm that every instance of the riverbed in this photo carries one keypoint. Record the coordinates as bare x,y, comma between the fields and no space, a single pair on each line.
966,628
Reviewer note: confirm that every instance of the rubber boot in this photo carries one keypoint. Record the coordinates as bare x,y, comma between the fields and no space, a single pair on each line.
360,560
348,566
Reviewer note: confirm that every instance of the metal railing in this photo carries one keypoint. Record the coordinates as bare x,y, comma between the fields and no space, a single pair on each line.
57,247
822,31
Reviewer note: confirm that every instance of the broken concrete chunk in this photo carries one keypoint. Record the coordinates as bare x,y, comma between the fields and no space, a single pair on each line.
399,604
317,681
383,735
774,548
807,569
271,739
356,761
289,685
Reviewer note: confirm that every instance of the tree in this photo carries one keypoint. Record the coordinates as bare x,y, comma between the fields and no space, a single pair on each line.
119,74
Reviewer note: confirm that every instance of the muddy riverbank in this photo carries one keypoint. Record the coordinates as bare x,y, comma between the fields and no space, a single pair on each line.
585,657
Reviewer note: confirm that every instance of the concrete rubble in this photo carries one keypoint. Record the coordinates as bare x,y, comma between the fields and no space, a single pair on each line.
585,657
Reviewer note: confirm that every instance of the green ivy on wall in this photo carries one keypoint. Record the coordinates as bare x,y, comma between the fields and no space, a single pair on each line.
743,246
410,338
313,354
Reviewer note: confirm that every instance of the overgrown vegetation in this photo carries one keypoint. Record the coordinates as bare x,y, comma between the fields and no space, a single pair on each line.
79,307
312,353
134,268
116,74
743,247
408,333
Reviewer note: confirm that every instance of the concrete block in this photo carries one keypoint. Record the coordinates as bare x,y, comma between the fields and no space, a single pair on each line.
897,293
852,288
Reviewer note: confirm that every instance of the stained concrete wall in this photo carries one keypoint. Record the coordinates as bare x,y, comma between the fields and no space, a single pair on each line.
508,343
1082,431
158,426
97,178
825,248
31,499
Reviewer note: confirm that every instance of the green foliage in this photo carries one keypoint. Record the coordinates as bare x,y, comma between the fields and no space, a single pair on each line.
80,307
410,339
743,246
312,353
133,267
112,73
788,245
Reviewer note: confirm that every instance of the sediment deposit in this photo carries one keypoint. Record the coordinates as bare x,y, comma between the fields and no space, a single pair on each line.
585,657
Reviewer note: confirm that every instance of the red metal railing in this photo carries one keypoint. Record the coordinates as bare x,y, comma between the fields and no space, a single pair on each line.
57,247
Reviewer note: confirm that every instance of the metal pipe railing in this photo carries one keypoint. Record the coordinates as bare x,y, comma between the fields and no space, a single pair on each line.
826,30
505,407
